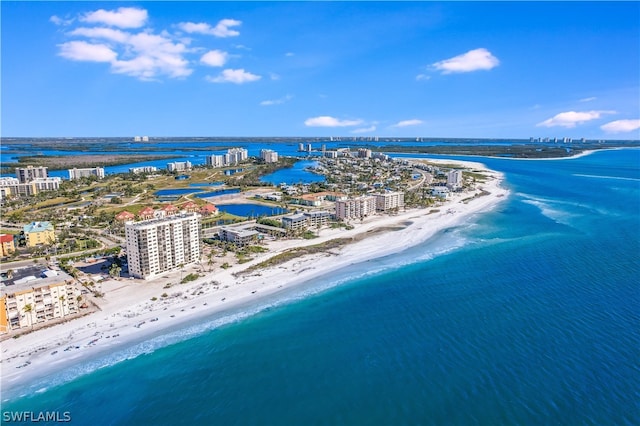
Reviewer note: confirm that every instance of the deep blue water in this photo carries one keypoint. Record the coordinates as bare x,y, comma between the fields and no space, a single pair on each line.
295,174
176,191
218,192
525,315
251,210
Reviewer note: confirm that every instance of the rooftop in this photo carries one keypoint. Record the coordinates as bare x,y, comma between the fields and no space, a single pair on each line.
31,277
38,227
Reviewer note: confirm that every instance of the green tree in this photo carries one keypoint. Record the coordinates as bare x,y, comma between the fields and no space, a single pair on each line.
115,270
28,310
61,300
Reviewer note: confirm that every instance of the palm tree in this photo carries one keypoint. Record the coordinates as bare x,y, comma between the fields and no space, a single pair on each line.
28,309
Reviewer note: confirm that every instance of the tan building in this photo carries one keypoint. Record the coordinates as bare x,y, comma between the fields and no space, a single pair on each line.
32,301
355,208
389,201
37,233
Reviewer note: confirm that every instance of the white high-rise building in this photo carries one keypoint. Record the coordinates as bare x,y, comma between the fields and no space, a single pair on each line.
235,156
454,179
215,160
29,173
355,208
269,156
86,172
159,245
179,166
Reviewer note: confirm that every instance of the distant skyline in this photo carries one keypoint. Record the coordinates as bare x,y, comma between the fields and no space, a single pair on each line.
386,69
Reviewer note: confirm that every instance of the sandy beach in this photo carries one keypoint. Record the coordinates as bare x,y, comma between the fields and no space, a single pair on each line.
128,316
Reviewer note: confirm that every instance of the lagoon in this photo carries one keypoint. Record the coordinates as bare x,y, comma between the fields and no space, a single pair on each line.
219,192
251,210
295,174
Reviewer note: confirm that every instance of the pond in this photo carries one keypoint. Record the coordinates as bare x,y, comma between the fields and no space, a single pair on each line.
216,193
251,210
176,191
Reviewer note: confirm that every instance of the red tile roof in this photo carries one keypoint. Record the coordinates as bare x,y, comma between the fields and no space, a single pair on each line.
6,238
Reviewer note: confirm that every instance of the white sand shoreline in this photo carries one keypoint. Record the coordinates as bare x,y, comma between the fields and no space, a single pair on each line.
127,319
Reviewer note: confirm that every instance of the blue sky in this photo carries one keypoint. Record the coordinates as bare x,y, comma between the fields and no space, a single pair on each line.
414,69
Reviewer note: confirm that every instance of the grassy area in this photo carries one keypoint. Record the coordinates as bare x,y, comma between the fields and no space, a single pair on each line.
9,231
299,251
479,177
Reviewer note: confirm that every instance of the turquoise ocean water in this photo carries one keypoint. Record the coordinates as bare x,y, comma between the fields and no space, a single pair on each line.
526,315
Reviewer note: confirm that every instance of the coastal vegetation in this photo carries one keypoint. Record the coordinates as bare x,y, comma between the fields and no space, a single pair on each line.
63,162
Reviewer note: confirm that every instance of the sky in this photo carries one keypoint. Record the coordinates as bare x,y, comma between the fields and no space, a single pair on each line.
403,69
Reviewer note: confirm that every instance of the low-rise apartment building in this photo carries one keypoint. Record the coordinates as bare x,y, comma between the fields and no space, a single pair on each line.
37,233
31,300
86,172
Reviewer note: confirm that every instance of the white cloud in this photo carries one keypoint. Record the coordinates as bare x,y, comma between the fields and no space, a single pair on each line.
104,33
364,130
592,98
423,77
220,30
289,54
407,123
123,17
153,55
570,119
214,58
621,126
110,36
60,21
83,51
279,101
473,60
327,121
238,76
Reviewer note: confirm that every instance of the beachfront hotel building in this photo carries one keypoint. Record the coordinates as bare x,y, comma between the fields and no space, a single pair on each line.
268,156
35,300
155,246
304,220
86,172
454,179
29,173
240,236
389,201
37,233
355,208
